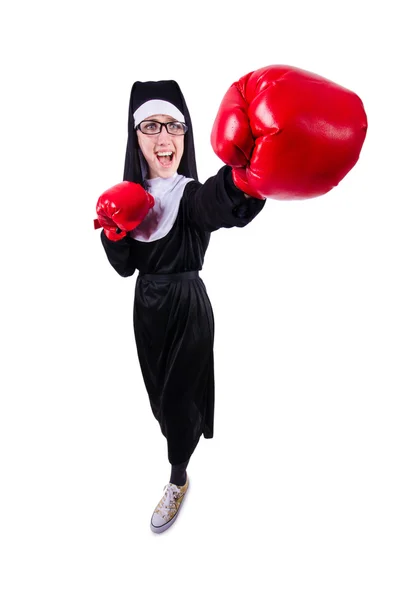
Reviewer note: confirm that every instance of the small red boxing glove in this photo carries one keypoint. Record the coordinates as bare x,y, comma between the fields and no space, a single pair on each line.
288,133
122,208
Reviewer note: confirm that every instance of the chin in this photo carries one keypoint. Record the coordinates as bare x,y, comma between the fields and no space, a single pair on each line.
164,173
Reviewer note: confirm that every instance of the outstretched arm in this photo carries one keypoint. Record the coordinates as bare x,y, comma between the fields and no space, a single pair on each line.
219,203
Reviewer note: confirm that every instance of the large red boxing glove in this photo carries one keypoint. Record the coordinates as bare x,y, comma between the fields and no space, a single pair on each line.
122,208
288,133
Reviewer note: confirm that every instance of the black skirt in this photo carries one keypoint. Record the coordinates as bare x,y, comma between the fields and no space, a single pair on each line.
174,333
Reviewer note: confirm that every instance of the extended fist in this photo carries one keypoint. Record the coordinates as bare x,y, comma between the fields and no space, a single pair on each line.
122,208
288,133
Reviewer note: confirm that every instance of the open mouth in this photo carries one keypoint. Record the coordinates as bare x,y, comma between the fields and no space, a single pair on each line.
165,158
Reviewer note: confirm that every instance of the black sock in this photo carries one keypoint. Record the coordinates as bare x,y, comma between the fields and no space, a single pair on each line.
178,473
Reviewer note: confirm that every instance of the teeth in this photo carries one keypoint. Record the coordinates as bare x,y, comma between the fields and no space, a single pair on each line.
164,153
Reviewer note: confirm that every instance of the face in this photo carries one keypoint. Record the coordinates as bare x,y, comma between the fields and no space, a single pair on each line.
152,145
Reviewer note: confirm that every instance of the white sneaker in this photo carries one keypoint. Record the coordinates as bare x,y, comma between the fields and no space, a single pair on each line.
167,509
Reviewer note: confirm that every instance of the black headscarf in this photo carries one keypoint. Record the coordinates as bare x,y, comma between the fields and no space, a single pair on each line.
152,90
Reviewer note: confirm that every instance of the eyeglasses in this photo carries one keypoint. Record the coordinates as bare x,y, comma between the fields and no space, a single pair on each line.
154,127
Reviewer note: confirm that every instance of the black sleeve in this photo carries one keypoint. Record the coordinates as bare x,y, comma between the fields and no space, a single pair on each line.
219,203
119,255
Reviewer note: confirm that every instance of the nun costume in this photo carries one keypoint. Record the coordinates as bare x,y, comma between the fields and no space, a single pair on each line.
172,314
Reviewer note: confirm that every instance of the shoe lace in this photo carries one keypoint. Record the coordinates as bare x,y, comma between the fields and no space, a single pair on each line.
168,501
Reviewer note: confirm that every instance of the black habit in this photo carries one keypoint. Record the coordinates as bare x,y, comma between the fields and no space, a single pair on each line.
173,317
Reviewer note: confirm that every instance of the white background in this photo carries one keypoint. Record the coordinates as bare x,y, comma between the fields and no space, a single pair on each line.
295,496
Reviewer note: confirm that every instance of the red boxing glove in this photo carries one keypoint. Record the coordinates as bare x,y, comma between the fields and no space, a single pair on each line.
288,133
122,208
